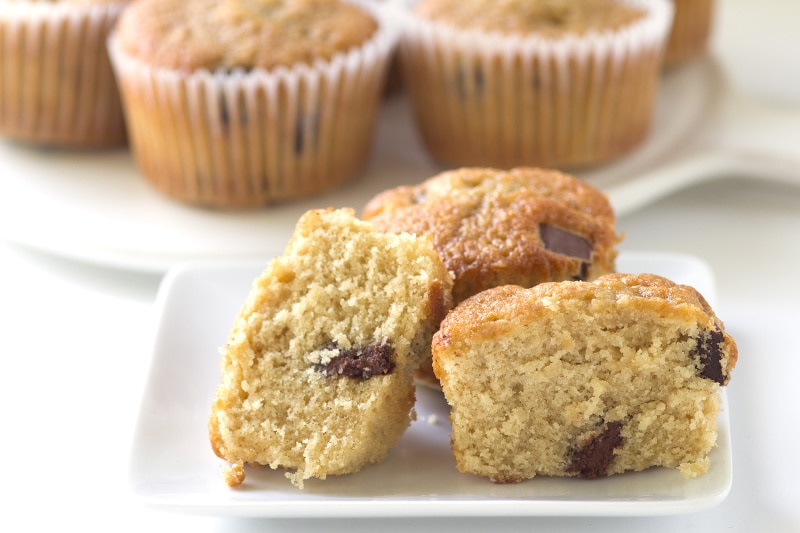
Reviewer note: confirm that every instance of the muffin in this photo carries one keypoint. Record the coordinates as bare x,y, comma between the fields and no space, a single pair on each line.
317,373
240,103
583,379
548,83
57,87
493,227
690,31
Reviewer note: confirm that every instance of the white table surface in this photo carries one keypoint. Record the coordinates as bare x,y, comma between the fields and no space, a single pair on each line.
76,341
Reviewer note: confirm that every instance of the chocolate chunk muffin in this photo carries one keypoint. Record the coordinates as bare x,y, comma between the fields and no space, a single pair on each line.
317,373
583,379
241,103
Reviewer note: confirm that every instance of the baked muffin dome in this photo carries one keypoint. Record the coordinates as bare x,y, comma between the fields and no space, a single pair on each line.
230,34
495,227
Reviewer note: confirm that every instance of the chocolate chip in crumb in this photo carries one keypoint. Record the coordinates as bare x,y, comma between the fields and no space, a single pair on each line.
709,351
564,242
359,362
592,458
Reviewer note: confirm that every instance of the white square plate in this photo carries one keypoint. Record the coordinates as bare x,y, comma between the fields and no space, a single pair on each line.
172,465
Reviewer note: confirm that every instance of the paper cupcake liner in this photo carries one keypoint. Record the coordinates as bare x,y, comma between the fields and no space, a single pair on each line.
488,99
248,138
56,82
691,29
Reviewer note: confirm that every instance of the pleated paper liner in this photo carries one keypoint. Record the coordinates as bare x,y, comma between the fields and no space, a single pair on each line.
56,82
488,99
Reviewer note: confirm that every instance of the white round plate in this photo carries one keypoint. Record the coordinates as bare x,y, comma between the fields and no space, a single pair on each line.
94,206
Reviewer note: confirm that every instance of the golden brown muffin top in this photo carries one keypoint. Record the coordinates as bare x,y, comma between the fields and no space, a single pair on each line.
507,302
492,227
550,18
495,310
230,34
471,186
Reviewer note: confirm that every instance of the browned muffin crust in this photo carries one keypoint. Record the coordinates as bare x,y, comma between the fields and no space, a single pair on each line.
230,34
583,379
494,227
550,18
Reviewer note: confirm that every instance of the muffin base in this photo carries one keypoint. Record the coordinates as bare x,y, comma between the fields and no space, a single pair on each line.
485,99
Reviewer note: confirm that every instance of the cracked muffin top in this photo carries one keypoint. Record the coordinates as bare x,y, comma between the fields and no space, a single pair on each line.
494,227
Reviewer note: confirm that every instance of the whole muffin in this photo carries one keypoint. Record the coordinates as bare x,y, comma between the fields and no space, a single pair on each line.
494,227
583,379
245,102
691,29
549,83
56,83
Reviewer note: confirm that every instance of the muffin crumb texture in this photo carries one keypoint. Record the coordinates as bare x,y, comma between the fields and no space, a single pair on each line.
317,374
583,379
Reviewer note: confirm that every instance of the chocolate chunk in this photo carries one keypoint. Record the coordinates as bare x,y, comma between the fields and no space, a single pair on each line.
592,459
563,242
305,132
583,275
359,362
709,351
